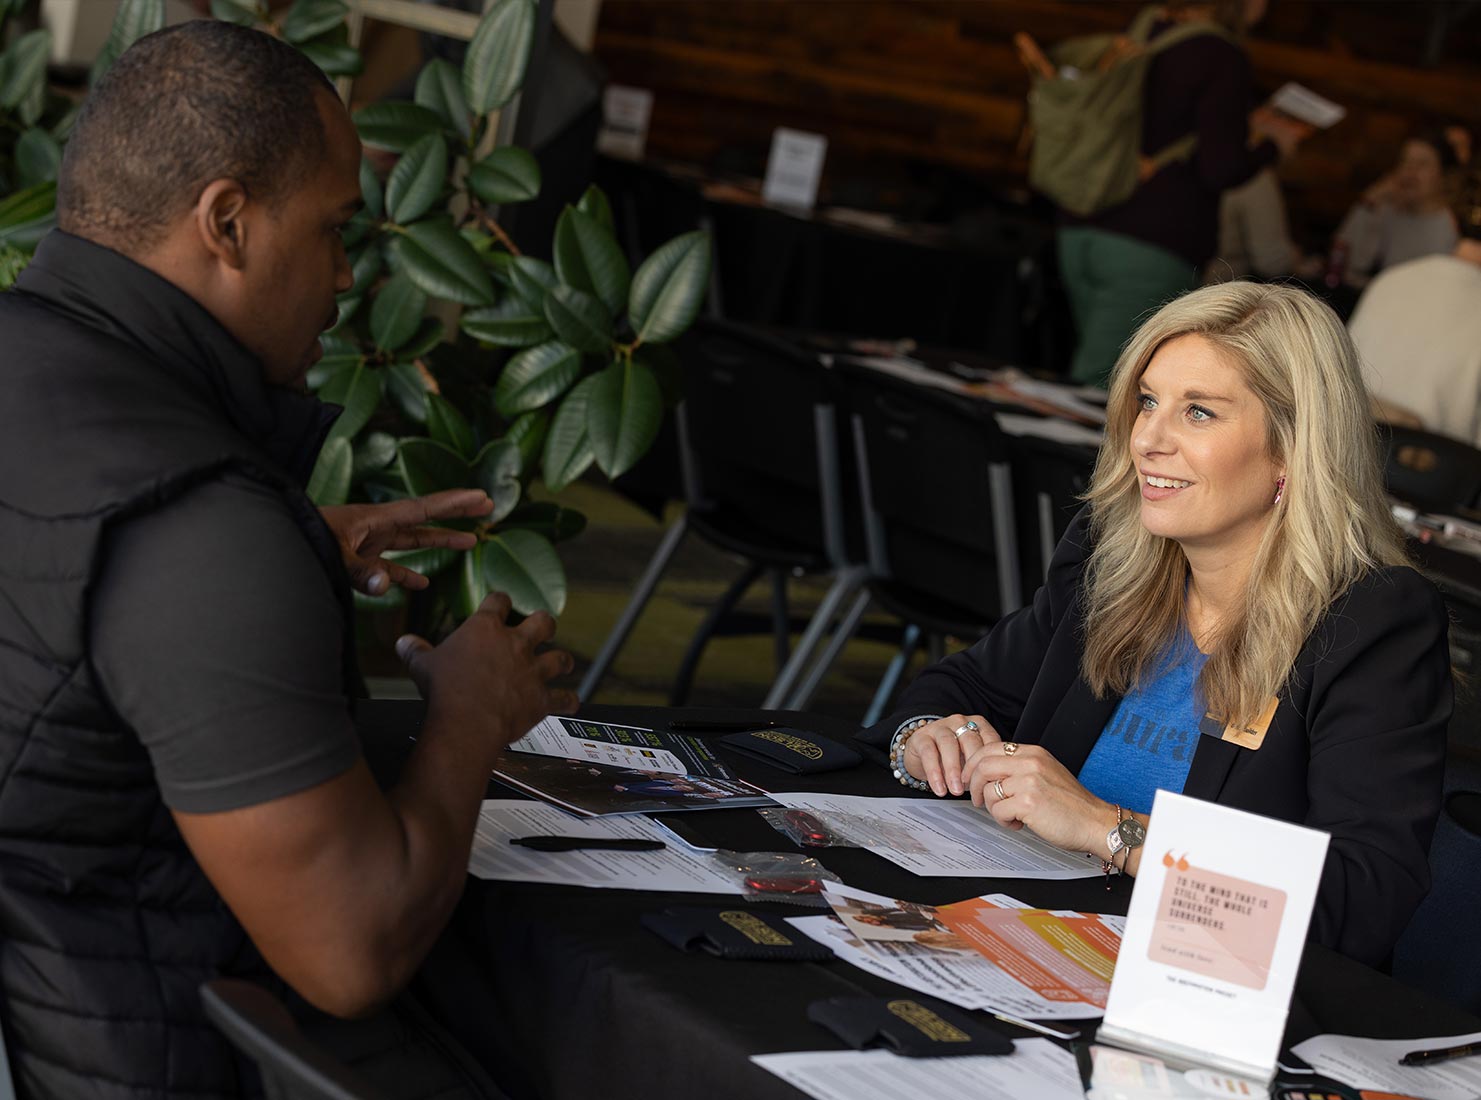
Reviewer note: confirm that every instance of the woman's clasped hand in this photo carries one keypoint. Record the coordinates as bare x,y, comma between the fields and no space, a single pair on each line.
937,751
1025,785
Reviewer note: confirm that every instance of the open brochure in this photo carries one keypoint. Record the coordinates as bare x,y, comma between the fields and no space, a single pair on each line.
991,952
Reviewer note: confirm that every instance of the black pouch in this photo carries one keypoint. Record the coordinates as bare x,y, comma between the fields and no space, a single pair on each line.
906,1027
735,934
795,751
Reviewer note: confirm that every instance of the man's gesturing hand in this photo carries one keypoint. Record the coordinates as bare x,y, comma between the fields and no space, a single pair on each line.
366,531
489,672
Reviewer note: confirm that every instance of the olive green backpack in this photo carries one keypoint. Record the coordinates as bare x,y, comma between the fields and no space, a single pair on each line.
1087,119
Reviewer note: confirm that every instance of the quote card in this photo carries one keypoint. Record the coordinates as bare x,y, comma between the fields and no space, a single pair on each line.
1214,935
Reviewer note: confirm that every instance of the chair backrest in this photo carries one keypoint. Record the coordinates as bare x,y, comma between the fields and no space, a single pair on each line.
1049,478
292,1068
1440,951
758,438
1431,470
936,493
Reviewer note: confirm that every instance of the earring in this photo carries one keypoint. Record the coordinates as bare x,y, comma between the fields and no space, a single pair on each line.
1280,487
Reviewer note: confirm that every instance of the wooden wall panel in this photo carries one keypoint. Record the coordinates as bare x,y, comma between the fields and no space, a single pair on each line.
899,86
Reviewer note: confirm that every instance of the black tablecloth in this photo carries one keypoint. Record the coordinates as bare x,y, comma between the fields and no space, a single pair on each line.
573,998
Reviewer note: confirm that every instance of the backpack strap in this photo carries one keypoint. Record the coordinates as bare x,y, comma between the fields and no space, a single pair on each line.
1184,147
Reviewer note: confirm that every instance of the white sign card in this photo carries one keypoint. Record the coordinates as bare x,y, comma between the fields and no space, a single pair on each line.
1214,936
794,168
625,115
1304,105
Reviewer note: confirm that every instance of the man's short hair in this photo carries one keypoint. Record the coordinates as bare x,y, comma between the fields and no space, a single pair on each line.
201,101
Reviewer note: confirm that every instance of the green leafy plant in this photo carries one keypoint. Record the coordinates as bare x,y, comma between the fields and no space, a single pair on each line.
35,122
461,362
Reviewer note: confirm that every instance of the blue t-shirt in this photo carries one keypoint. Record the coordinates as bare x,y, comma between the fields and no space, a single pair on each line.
1149,742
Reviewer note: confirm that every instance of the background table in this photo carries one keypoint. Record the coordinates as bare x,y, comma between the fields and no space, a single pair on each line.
574,998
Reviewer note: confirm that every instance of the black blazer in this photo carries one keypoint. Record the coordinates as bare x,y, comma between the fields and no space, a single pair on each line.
1356,748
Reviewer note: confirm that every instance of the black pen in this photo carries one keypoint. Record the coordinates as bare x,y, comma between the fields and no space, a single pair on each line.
1443,1054
575,843
705,725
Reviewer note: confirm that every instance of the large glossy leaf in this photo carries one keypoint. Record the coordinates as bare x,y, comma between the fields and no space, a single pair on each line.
37,157
334,56
358,389
494,67
427,560
407,386
371,190
547,518
375,452
27,216
416,181
440,89
448,426
510,324
669,287
32,106
525,565
623,413
365,265
62,128
229,11
594,204
348,305
395,126
396,312
472,587
579,318
429,467
496,471
307,19
25,68
506,175
535,377
330,481
134,19
568,450
443,264
528,432
428,335
587,258
532,280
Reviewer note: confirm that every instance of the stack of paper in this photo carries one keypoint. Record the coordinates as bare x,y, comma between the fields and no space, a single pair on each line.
1036,1070
1373,1065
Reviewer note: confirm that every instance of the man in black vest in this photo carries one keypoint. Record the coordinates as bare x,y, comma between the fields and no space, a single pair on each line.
180,783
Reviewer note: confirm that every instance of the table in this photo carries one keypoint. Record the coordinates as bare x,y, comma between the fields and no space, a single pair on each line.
583,1002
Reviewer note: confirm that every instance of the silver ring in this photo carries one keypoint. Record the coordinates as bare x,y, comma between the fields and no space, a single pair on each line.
1010,747
997,789
968,726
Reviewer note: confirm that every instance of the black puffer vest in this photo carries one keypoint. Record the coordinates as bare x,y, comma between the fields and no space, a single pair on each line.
117,393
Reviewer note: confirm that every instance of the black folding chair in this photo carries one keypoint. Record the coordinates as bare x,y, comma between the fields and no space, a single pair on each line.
1433,471
937,501
758,446
292,1068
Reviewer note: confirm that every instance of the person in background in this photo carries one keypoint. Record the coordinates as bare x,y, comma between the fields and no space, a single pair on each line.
1417,328
1254,238
1232,617
1129,259
1403,216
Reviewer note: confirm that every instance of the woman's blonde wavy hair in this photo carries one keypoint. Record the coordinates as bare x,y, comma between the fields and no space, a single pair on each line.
1331,526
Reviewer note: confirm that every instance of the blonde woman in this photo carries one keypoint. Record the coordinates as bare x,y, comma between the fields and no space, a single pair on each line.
1232,616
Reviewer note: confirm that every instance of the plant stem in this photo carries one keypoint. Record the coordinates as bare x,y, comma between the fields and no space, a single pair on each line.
497,230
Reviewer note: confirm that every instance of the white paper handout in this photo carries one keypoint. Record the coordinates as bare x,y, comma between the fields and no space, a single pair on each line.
1304,105
625,115
1036,1070
670,869
1214,936
941,839
1374,1064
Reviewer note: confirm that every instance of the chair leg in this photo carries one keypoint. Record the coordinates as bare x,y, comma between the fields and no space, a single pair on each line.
684,678
845,584
841,637
629,617
781,622
892,674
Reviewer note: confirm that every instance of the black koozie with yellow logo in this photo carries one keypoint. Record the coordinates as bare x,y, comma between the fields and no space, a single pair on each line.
795,751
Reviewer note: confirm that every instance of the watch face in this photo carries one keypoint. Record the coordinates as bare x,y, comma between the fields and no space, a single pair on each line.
1132,831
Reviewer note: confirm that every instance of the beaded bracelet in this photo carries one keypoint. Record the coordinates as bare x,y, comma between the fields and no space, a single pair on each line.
897,751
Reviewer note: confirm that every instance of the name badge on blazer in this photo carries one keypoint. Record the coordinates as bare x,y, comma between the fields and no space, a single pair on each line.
1249,737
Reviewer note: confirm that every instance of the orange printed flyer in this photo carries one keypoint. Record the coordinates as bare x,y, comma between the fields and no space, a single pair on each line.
1063,957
